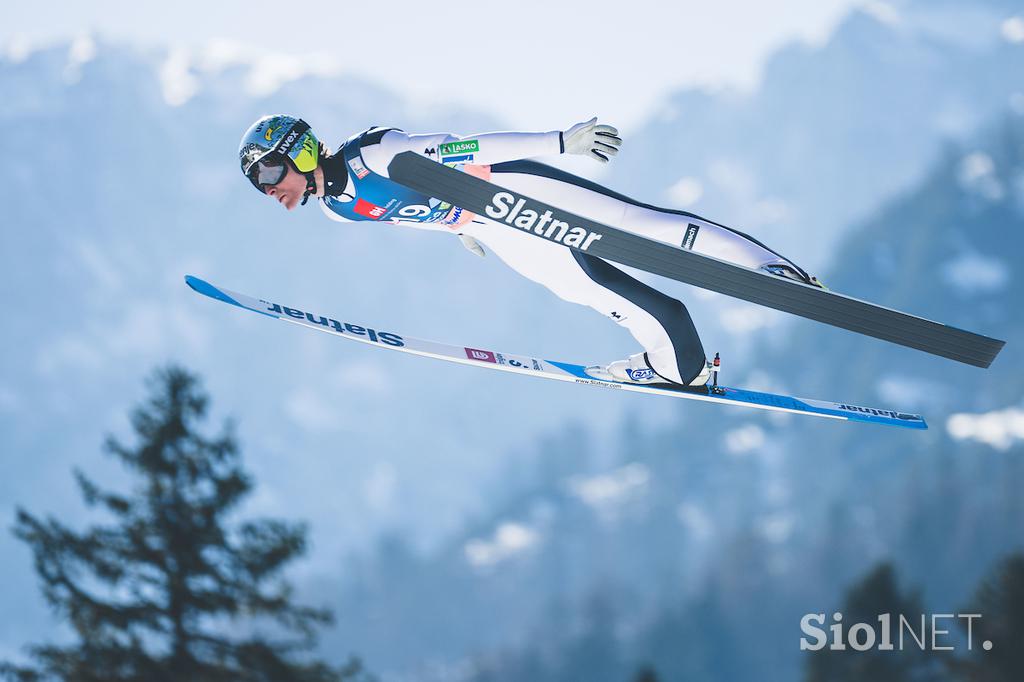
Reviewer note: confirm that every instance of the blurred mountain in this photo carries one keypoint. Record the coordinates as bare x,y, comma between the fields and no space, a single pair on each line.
697,548
831,129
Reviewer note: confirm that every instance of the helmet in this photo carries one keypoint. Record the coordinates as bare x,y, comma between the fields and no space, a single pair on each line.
283,136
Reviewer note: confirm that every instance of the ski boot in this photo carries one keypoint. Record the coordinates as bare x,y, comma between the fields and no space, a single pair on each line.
790,272
636,370
632,370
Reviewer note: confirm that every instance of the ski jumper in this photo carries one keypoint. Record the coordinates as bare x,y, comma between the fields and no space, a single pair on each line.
358,189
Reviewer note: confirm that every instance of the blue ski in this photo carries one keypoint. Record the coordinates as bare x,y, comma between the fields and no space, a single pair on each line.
550,369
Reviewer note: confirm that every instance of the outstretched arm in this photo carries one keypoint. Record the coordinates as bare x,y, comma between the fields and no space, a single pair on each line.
600,142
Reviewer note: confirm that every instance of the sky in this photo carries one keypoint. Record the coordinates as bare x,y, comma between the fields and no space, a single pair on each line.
533,64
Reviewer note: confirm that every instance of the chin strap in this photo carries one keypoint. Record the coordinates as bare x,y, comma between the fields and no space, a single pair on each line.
310,188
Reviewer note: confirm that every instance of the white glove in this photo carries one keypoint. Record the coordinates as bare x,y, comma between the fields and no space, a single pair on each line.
596,141
472,244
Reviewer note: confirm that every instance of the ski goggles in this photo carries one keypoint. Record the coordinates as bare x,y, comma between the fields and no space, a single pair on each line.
267,172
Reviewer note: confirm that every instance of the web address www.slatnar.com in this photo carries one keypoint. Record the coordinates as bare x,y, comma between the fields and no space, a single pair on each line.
934,632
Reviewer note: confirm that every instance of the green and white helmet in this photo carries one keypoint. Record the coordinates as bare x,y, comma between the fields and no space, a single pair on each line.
271,140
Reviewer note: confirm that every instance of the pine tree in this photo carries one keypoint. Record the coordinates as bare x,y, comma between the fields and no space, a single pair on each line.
1000,602
169,590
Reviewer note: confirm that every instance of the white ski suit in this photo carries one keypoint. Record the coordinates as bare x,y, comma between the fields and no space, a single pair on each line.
358,188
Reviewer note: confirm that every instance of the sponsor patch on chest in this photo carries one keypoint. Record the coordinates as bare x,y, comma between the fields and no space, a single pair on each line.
358,168
368,209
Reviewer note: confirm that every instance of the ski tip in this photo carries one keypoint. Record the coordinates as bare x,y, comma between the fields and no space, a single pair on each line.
201,286
206,289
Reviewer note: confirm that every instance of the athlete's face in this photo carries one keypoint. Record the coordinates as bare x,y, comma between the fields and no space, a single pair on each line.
290,190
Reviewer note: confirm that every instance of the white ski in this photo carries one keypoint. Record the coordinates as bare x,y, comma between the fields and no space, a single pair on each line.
550,369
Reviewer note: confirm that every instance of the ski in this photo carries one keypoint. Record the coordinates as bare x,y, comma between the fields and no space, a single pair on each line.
550,369
613,244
